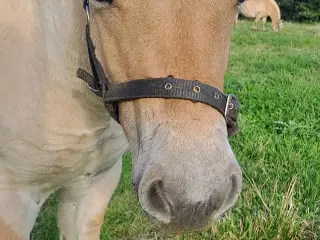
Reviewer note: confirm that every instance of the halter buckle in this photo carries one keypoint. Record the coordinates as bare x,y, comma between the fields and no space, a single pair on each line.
92,89
231,114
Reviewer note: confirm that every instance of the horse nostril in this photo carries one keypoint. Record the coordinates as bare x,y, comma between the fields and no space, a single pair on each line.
215,203
232,194
235,189
154,196
155,203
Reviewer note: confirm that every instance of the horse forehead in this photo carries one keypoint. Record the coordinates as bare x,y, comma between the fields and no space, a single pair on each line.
169,3
178,8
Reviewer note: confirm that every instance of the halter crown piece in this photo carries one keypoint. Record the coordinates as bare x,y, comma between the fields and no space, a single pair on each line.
168,87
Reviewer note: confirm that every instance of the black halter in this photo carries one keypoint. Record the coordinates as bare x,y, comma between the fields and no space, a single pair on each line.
168,87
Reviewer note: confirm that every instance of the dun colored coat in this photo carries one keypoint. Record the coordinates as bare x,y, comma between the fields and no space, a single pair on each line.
56,135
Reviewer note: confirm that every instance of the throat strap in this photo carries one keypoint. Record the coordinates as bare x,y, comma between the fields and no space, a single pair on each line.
97,81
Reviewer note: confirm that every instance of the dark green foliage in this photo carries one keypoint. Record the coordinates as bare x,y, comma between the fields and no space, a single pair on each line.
300,10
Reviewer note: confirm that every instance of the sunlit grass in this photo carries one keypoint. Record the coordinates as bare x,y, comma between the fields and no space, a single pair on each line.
276,77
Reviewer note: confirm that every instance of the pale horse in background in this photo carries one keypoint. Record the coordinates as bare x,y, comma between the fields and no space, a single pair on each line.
261,9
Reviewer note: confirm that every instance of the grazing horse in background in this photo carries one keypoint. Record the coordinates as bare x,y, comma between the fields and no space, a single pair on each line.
261,9
56,135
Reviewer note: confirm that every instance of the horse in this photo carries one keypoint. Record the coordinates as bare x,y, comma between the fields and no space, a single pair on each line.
57,136
261,9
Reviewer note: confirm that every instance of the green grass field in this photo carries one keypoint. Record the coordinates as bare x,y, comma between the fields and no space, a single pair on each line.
276,76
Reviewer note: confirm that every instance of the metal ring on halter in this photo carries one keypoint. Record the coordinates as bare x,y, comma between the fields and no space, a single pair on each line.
87,12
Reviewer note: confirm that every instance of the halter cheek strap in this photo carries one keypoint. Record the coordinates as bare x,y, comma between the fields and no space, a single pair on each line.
167,88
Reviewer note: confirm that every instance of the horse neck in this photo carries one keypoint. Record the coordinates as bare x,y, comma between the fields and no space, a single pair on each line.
63,24
274,12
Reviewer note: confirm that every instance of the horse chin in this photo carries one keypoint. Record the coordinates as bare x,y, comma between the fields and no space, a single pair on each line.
178,228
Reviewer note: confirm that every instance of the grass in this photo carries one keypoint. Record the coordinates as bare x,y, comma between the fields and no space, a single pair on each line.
276,77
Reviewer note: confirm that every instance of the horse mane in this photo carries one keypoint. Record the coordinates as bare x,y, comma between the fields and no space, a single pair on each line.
275,10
